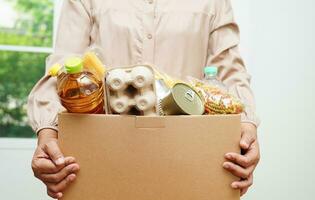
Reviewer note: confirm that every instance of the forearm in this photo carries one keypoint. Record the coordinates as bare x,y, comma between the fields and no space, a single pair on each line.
44,105
223,53
233,74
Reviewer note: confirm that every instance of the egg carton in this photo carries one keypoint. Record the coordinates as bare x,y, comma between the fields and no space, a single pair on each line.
131,91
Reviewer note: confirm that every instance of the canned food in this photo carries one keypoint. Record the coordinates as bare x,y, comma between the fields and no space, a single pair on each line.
182,100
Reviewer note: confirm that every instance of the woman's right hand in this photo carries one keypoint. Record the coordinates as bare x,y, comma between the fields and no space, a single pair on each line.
50,166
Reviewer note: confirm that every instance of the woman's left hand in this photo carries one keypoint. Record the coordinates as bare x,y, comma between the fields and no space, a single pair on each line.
243,166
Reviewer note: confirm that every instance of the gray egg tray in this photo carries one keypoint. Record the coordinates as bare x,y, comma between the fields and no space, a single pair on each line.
131,91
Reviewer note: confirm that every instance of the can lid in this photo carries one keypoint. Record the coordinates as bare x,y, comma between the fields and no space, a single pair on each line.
53,71
188,99
74,65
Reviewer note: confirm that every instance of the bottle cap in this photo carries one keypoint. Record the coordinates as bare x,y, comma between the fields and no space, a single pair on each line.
211,70
74,65
53,71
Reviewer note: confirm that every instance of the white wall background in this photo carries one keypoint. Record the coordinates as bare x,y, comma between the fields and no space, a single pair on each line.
277,44
16,177
282,63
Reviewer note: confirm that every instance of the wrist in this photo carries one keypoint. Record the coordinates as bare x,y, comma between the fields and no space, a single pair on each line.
249,125
249,129
47,135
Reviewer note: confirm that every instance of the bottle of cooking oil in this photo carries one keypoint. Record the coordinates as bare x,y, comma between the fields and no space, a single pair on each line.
80,91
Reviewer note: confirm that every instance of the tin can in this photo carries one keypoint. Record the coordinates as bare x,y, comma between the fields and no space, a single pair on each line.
182,100
161,89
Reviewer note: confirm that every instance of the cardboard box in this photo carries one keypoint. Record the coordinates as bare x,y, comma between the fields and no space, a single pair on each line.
150,158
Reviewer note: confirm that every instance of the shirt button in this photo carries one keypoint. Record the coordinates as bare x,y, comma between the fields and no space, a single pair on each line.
149,36
150,1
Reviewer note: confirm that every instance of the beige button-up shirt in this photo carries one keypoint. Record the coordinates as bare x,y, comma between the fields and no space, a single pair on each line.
179,37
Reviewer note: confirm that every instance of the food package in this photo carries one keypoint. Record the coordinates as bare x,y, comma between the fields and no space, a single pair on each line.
92,61
166,79
182,100
216,100
131,91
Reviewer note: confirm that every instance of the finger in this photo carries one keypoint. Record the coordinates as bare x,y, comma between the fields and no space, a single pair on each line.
237,170
58,177
69,160
249,159
59,187
243,184
54,152
46,166
54,195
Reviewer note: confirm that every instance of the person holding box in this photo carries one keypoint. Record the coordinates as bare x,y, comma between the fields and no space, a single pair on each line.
178,36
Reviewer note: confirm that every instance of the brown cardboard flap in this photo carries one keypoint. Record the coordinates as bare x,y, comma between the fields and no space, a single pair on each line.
150,122
135,158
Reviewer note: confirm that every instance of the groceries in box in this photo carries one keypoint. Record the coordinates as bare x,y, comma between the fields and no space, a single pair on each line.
84,85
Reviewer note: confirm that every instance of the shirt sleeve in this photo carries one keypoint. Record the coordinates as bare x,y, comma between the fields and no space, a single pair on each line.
73,37
223,52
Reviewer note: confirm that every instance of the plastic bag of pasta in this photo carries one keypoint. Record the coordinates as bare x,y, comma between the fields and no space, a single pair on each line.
216,100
